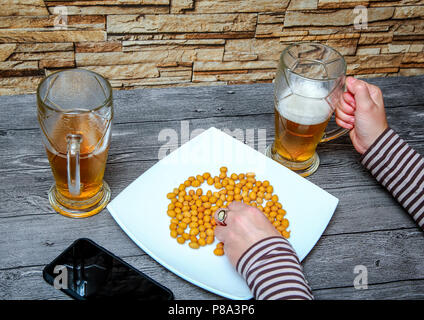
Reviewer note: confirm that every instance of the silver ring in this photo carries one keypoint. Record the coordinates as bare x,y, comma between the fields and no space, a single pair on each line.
222,215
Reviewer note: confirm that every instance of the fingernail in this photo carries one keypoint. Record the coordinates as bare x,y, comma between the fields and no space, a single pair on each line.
351,79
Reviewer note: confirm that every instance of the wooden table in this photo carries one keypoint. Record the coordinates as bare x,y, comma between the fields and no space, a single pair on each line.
368,228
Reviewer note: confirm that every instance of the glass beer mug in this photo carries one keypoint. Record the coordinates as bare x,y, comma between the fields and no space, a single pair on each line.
308,85
75,114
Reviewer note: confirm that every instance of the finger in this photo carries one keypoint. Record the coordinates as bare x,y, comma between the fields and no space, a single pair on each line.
349,99
236,206
344,125
346,108
221,233
376,94
360,91
344,116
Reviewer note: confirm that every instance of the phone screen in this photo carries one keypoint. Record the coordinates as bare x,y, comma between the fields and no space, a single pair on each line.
86,271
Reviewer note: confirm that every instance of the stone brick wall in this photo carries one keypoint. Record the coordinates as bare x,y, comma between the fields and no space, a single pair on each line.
139,43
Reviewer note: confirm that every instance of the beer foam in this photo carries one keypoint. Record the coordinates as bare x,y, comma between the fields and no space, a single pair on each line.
303,110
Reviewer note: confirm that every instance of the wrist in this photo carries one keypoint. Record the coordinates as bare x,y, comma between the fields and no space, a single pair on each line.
377,144
378,132
259,249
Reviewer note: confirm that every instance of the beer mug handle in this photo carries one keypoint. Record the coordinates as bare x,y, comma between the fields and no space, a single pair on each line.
73,163
333,134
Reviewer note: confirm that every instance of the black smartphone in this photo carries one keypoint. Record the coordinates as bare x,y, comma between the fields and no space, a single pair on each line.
86,271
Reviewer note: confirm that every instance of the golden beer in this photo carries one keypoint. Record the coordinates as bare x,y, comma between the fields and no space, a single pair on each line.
92,157
75,112
308,85
300,123
295,141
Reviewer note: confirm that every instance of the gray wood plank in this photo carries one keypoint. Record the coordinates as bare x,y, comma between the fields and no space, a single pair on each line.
368,227
27,284
391,255
361,208
50,234
146,105
401,290
22,149
328,268
25,189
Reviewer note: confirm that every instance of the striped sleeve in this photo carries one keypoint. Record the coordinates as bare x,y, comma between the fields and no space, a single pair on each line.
273,271
400,169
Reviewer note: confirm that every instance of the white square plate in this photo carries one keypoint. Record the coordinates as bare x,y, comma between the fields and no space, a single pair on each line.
140,209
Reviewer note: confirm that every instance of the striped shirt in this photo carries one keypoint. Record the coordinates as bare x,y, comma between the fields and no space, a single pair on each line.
271,267
400,169
273,271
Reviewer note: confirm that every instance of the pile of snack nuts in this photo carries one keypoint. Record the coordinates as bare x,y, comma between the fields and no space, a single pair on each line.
192,210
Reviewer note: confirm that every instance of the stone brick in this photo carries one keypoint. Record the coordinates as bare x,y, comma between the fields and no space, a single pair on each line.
48,59
23,8
105,10
108,2
395,48
363,64
390,3
338,4
411,71
250,76
175,72
268,49
269,30
345,47
149,45
225,6
215,54
413,58
240,45
200,42
28,56
324,37
6,50
148,82
179,6
365,51
180,23
341,17
109,46
44,47
409,12
19,85
64,63
131,71
16,35
239,56
375,38
35,23
233,65
18,65
270,18
355,70
303,5
416,48
222,35
125,58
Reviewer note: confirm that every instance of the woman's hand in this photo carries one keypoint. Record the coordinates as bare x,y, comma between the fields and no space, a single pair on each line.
244,226
361,110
